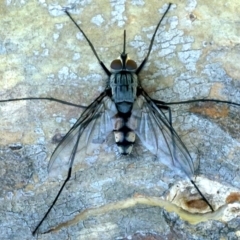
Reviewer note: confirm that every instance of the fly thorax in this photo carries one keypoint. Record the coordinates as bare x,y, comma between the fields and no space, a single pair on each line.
124,136
124,88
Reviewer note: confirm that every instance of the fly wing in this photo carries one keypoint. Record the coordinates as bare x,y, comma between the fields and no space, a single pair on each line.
156,133
90,130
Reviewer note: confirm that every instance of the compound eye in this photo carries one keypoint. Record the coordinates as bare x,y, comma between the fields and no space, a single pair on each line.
131,65
116,65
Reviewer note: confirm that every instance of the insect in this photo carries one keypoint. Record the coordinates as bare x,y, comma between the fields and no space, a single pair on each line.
125,110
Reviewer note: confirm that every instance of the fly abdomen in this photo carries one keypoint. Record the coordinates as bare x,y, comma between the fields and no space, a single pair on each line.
125,138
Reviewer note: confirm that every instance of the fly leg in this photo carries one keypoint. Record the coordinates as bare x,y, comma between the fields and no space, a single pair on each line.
161,106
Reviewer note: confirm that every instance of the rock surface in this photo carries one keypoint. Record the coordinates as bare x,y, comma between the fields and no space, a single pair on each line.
195,55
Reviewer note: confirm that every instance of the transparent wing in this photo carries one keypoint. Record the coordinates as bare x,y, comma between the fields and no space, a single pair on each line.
156,133
91,129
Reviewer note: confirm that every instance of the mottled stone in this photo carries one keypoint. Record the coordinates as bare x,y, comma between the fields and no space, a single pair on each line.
42,54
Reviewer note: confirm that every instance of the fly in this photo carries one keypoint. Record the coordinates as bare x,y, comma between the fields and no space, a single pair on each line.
125,110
